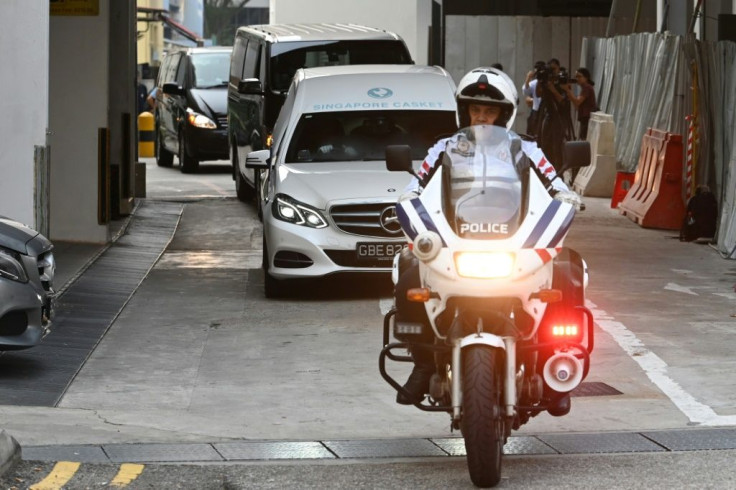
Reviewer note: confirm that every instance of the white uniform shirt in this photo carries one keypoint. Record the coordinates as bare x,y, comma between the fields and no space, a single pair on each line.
530,149
531,91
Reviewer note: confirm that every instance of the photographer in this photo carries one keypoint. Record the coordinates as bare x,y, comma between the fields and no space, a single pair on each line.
585,102
555,124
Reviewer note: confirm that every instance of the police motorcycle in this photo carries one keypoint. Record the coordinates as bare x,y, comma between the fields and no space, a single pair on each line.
508,326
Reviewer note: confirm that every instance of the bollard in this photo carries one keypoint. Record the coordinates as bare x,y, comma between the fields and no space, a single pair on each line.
146,134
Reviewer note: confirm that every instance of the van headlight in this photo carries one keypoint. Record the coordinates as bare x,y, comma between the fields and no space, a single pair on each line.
484,265
292,211
200,121
11,267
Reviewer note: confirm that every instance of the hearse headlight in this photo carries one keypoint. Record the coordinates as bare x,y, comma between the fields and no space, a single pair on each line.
292,211
11,267
199,120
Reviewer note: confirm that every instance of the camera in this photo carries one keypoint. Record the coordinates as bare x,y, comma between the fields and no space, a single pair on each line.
541,72
563,78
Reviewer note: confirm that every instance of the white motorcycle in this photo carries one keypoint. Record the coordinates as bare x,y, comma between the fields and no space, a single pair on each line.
510,332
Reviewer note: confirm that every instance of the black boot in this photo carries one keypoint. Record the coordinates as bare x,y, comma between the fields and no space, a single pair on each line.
418,383
561,407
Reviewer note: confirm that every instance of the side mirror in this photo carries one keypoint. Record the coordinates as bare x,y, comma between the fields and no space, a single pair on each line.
250,86
575,154
398,158
258,160
172,88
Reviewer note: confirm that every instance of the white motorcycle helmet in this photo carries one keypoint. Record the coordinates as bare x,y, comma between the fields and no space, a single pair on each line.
487,86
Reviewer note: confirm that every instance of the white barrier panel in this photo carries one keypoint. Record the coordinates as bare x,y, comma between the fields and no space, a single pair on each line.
598,179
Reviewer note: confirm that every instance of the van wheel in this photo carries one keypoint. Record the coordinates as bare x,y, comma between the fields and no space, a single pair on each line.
164,158
187,164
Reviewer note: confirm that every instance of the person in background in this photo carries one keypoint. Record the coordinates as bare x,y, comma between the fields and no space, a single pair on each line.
585,102
529,89
141,92
151,99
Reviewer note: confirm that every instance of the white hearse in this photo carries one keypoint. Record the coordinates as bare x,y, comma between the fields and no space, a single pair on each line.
328,201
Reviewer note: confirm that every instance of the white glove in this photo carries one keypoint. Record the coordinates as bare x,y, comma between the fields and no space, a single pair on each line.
408,196
570,197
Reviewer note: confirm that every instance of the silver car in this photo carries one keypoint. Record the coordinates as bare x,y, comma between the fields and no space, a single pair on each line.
26,294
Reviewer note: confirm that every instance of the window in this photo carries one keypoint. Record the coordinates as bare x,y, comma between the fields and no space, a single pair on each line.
210,69
251,60
287,57
364,135
238,60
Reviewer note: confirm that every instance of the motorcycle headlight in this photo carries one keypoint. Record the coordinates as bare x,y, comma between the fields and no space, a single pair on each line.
293,211
11,267
484,265
200,121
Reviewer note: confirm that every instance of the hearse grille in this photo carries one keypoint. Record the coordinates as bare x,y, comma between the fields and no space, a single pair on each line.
365,219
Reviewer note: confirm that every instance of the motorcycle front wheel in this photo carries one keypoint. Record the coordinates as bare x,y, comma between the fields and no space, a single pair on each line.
482,422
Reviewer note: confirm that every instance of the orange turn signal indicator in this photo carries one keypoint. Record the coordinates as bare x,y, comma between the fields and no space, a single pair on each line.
419,295
547,295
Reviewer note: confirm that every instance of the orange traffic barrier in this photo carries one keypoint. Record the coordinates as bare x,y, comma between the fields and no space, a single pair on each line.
624,181
655,199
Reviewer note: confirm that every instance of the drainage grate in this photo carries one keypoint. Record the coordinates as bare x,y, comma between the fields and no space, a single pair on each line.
40,376
594,388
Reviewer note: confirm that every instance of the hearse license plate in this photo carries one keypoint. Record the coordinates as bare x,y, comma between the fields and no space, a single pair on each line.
378,251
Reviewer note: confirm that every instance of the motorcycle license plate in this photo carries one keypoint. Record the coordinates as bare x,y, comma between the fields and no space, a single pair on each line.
378,251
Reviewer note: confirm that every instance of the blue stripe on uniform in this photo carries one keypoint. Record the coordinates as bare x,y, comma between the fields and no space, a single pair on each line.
563,229
424,215
544,222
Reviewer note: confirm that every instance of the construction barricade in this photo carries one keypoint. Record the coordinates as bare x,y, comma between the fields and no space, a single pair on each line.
624,181
655,199
597,179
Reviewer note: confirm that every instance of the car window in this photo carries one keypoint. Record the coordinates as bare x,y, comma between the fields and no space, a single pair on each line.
210,69
364,135
238,60
288,57
251,60
181,72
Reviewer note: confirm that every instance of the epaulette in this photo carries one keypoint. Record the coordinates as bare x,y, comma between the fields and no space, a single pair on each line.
526,137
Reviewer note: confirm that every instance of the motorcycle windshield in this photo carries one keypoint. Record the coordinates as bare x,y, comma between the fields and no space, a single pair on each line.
484,182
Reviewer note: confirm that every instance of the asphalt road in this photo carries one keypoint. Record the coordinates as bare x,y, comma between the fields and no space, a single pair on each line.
200,355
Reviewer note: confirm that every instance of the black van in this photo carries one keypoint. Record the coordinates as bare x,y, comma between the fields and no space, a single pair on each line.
191,107
264,60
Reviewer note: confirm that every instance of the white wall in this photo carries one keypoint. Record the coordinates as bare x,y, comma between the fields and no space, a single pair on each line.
24,57
409,19
78,106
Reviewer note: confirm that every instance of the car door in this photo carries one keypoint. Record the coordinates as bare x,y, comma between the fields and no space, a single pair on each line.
167,104
252,108
180,102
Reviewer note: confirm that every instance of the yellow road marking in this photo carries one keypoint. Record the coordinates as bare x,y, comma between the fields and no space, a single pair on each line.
128,472
62,472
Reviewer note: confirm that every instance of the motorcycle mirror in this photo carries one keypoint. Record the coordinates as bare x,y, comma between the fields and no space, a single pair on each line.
575,154
398,159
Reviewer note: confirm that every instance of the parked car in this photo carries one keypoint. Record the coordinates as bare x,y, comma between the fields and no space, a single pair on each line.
265,58
329,202
191,107
26,294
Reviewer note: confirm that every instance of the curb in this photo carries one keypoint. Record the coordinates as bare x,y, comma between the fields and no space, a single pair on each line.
10,452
